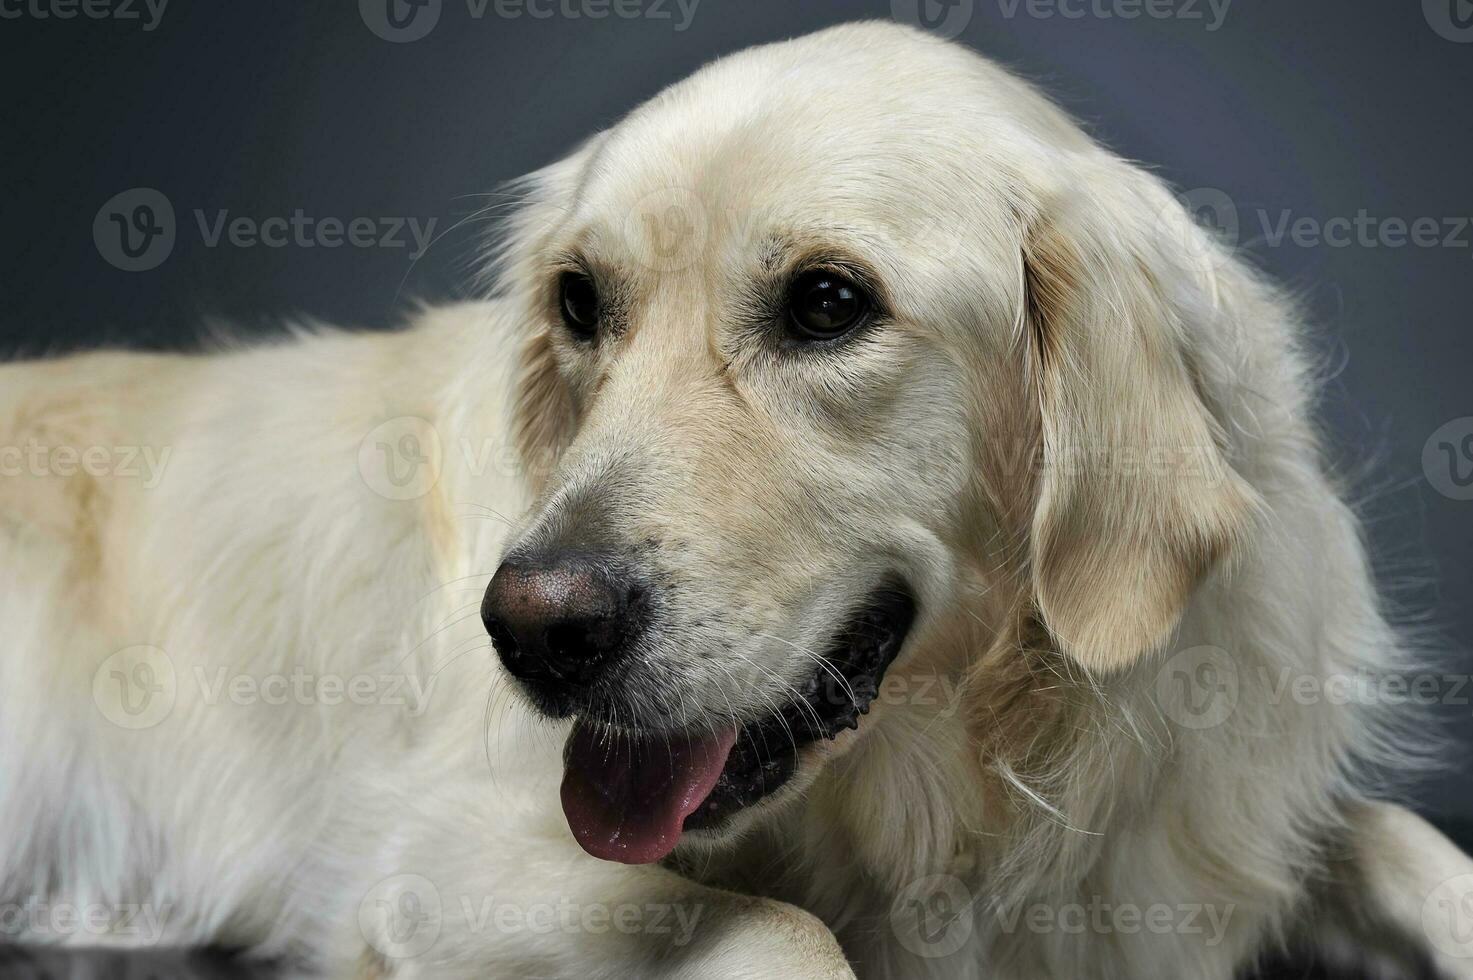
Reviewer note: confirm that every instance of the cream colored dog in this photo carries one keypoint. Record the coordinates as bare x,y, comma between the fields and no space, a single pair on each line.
897,525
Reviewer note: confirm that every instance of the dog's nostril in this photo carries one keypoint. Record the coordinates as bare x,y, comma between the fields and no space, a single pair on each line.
570,642
501,637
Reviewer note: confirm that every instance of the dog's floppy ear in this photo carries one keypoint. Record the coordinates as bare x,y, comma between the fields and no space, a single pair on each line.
1136,501
543,410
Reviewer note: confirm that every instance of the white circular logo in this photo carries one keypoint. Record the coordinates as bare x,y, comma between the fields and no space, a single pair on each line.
135,688
401,916
944,18
933,917
1209,210
1447,459
134,231
667,229
401,459
1198,687
1451,19
400,21
1447,916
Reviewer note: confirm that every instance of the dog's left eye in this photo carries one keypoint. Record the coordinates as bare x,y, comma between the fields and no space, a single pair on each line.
824,305
578,297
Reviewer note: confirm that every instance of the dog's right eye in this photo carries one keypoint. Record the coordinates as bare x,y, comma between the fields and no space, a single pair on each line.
825,306
578,297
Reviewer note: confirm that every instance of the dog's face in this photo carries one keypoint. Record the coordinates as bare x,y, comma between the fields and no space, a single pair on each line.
797,330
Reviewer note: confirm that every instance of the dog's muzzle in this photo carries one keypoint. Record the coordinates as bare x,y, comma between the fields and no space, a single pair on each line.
562,624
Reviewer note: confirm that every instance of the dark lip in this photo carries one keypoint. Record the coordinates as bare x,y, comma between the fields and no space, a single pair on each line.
765,756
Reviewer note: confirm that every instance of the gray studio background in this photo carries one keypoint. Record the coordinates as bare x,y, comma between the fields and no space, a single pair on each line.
1272,114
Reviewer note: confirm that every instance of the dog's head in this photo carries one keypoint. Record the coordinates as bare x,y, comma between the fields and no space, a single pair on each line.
821,344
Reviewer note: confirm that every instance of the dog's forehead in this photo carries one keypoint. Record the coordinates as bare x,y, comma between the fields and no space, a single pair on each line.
795,172
802,153
872,133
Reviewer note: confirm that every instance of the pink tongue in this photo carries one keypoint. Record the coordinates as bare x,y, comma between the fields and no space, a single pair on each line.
626,799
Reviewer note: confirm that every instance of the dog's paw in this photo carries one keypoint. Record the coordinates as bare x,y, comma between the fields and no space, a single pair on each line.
760,939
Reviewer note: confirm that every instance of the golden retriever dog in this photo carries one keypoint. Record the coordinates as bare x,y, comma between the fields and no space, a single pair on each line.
868,529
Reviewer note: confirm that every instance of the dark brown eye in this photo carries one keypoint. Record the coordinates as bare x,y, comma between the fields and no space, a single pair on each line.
579,301
824,305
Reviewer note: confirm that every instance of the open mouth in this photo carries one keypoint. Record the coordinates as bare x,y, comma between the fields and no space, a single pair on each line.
628,797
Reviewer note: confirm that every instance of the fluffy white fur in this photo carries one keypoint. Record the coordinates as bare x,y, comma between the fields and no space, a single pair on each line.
1054,295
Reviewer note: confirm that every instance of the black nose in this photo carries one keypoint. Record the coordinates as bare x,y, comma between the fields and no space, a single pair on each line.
557,620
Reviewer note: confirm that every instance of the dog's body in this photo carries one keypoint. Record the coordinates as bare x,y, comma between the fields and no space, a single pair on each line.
305,727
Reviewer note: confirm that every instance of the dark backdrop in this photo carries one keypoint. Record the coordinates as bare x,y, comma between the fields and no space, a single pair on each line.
1272,115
